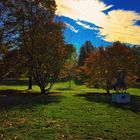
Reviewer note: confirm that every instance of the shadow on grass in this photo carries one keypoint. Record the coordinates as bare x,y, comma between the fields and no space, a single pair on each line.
63,89
15,98
134,106
15,82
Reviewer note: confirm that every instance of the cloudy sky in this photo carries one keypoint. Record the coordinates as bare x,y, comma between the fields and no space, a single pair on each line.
100,21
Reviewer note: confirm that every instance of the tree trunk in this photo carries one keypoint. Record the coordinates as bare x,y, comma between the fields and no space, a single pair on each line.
108,91
69,83
30,82
43,90
70,79
30,78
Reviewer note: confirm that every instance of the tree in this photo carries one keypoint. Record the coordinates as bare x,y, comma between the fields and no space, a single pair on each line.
9,40
13,64
48,59
10,60
7,25
34,17
45,48
3,52
68,70
86,49
136,52
103,65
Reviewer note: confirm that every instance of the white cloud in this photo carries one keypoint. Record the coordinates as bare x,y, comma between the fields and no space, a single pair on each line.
86,10
86,26
71,27
116,25
121,26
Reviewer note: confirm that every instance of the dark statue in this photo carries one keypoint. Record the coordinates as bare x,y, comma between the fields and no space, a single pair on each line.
120,85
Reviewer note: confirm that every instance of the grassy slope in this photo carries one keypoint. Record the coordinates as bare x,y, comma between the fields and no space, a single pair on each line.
77,114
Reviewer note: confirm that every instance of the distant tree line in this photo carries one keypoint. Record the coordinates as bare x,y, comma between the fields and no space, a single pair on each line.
99,67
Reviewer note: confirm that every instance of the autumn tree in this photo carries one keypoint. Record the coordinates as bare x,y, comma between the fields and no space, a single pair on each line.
45,43
48,59
43,39
13,64
35,18
103,65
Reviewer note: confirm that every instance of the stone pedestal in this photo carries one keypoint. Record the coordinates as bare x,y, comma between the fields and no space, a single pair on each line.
121,98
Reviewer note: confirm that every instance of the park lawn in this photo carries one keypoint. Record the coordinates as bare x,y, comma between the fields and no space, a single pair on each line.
78,113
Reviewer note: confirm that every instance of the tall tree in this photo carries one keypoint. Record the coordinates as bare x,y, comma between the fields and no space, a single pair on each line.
49,58
34,20
85,50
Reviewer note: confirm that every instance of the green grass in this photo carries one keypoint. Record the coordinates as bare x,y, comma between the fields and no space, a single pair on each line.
77,114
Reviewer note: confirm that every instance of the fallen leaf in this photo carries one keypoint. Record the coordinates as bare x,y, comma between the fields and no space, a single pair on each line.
99,138
63,136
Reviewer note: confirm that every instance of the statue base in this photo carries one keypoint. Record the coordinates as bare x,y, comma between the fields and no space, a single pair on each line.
121,98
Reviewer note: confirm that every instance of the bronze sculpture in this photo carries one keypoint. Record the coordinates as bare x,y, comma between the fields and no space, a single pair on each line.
120,85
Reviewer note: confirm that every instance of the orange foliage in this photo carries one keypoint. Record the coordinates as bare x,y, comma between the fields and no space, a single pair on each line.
103,65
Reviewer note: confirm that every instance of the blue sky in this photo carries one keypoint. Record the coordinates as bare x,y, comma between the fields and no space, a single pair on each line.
100,21
82,36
